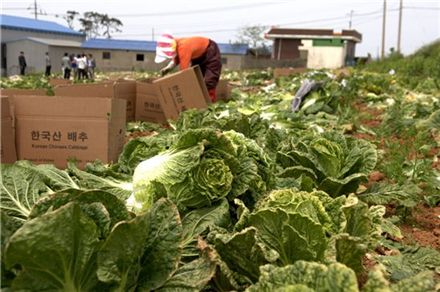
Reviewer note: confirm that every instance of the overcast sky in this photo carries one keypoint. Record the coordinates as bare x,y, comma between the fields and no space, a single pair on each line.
221,20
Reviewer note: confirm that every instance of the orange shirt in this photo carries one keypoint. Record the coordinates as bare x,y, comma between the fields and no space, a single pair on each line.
189,49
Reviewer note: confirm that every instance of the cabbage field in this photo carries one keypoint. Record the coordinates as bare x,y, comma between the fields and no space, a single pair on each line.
334,190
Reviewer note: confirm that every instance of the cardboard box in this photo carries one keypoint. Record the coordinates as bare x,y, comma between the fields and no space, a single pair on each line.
58,81
148,106
223,90
182,90
8,153
126,90
279,72
121,89
52,129
16,91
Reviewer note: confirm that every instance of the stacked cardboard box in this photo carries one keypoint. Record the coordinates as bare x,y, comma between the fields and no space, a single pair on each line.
119,89
7,147
181,91
165,98
223,90
51,129
58,81
85,122
148,107
10,92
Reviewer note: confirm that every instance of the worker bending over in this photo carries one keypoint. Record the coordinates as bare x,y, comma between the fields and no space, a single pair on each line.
191,51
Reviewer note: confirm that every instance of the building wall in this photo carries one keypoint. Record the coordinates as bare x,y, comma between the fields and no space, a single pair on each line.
126,60
119,60
286,49
324,57
57,53
34,53
233,62
350,49
12,34
123,60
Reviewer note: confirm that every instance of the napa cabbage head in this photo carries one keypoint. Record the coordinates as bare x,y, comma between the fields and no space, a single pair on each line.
194,173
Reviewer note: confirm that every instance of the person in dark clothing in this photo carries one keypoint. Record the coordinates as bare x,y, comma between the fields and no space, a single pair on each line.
191,51
48,64
22,63
74,66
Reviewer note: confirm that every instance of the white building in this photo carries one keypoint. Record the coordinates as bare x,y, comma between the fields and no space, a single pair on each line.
34,38
322,48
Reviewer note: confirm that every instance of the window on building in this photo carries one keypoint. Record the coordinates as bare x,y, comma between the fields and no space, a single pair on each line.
328,43
106,55
140,57
224,61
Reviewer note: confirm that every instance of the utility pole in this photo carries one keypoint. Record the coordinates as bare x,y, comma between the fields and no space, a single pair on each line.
399,32
382,54
35,9
351,17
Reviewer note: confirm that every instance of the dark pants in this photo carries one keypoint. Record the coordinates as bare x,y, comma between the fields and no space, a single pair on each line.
82,74
66,73
210,64
22,69
48,70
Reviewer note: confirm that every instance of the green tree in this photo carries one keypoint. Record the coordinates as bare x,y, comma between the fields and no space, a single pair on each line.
93,24
254,37
70,17
90,23
110,25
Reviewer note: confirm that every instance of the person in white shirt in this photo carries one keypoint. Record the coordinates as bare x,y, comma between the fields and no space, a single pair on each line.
81,60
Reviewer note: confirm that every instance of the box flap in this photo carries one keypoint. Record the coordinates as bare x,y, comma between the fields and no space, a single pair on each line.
8,153
5,110
180,91
86,89
56,106
201,80
58,81
124,88
223,90
18,91
148,106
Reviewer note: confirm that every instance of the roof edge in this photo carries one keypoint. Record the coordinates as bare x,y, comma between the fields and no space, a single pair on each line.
302,37
41,30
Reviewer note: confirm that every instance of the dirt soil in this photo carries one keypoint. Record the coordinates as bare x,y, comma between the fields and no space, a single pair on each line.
374,118
423,228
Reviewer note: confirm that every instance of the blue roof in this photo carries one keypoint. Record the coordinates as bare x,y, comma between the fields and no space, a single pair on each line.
150,46
24,23
112,44
233,49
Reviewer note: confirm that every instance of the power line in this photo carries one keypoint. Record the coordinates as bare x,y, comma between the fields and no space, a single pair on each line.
368,20
421,8
197,11
331,20
15,8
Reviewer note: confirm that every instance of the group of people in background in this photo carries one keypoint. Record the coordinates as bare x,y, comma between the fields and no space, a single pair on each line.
81,66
